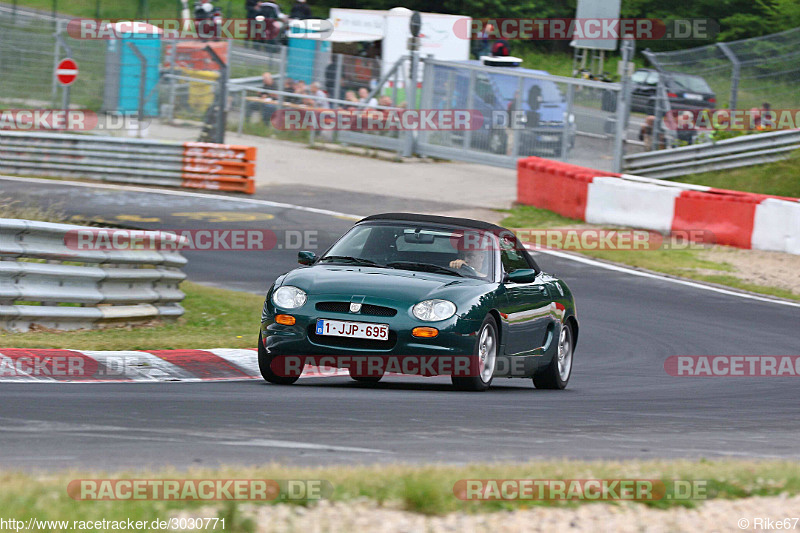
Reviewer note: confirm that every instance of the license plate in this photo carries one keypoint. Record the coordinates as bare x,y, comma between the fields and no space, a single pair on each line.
549,138
355,330
692,96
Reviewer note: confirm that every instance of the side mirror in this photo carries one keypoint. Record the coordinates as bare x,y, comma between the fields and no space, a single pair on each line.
522,275
306,258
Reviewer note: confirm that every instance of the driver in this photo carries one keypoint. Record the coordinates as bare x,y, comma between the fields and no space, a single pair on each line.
475,259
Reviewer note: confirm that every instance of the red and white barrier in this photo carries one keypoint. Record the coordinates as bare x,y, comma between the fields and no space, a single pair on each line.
735,218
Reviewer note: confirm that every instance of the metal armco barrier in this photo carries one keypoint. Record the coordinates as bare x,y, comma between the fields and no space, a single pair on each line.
192,165
48,280
730,153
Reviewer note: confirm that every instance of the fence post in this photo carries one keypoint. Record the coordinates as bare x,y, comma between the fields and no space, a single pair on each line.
337,90
223,94
567,124
282,78
623,103
68,48
142,82
734,73
173,57
470,102
411,94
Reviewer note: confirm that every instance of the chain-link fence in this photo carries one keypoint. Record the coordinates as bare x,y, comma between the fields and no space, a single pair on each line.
758,73
746,73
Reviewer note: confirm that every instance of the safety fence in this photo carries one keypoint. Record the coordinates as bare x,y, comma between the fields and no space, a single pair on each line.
47,279
729,153
171,164
733,218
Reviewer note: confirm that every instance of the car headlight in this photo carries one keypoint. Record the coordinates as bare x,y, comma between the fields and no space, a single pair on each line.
288,297
433,310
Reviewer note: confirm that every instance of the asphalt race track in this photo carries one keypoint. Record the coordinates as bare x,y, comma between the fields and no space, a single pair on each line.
620,403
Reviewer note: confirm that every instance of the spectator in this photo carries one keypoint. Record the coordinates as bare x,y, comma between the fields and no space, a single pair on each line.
500,48
300,10
482,45
315,90
268,83
385,101
646,134
363,97
350,96
330,80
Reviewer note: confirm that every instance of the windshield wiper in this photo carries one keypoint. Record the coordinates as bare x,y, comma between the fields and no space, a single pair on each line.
350,259
425,267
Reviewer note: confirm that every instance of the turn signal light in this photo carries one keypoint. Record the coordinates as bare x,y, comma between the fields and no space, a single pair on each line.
286,320
425,332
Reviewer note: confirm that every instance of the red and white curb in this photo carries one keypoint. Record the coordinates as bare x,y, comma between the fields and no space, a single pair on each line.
89,366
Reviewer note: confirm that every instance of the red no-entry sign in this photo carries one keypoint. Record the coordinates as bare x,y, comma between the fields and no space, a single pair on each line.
67,71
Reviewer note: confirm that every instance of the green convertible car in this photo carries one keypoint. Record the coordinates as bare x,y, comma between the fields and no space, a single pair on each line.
416,294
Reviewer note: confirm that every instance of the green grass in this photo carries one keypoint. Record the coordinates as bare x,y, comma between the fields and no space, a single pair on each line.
781,178
214,318
420,489
683,261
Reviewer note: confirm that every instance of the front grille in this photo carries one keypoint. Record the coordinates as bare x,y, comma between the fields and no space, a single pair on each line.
346,342
366,309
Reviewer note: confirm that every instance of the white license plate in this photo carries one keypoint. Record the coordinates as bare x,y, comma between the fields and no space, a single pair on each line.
355,330
549,138
692,96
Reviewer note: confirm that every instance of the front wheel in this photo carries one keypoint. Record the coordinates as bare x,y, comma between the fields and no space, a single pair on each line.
556,375
264,365
486,352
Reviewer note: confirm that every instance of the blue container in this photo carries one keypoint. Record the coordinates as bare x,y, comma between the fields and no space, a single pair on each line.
306,56
123,72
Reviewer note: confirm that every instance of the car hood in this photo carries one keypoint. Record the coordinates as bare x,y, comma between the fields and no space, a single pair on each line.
389,283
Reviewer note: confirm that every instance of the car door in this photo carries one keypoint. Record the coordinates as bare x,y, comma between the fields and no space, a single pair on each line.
527,305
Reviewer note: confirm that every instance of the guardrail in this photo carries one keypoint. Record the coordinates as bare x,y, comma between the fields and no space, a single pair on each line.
46,278
730,153
192,165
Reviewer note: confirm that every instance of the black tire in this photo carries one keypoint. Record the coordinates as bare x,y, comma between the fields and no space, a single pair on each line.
550,377
366,379
265,360
477,383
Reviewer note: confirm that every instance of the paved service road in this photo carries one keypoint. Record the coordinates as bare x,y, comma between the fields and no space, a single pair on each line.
620,403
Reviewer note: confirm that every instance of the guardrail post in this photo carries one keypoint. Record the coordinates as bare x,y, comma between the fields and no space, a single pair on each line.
735,73
142,82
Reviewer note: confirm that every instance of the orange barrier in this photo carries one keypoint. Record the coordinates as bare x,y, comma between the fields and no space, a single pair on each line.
557,186
220,167
730,217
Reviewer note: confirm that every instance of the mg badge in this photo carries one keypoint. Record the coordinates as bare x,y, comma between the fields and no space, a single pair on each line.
355,308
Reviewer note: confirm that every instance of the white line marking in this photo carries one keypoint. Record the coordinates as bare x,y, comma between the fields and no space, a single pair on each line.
617,268
215,197
562,255
267,443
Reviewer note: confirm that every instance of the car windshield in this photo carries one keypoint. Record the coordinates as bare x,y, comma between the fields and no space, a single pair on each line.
408,246
691,83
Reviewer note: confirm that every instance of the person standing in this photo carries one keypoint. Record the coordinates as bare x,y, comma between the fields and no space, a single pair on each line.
300,10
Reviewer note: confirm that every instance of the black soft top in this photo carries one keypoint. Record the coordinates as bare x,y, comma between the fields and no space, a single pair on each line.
433,219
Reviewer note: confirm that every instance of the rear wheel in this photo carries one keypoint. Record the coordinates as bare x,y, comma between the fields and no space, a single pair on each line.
486,352
556,374
265,360
365,379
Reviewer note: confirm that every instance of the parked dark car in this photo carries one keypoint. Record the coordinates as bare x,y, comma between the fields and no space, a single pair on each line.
684,91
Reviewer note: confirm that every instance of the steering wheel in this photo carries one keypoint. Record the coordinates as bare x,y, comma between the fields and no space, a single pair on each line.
469,269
